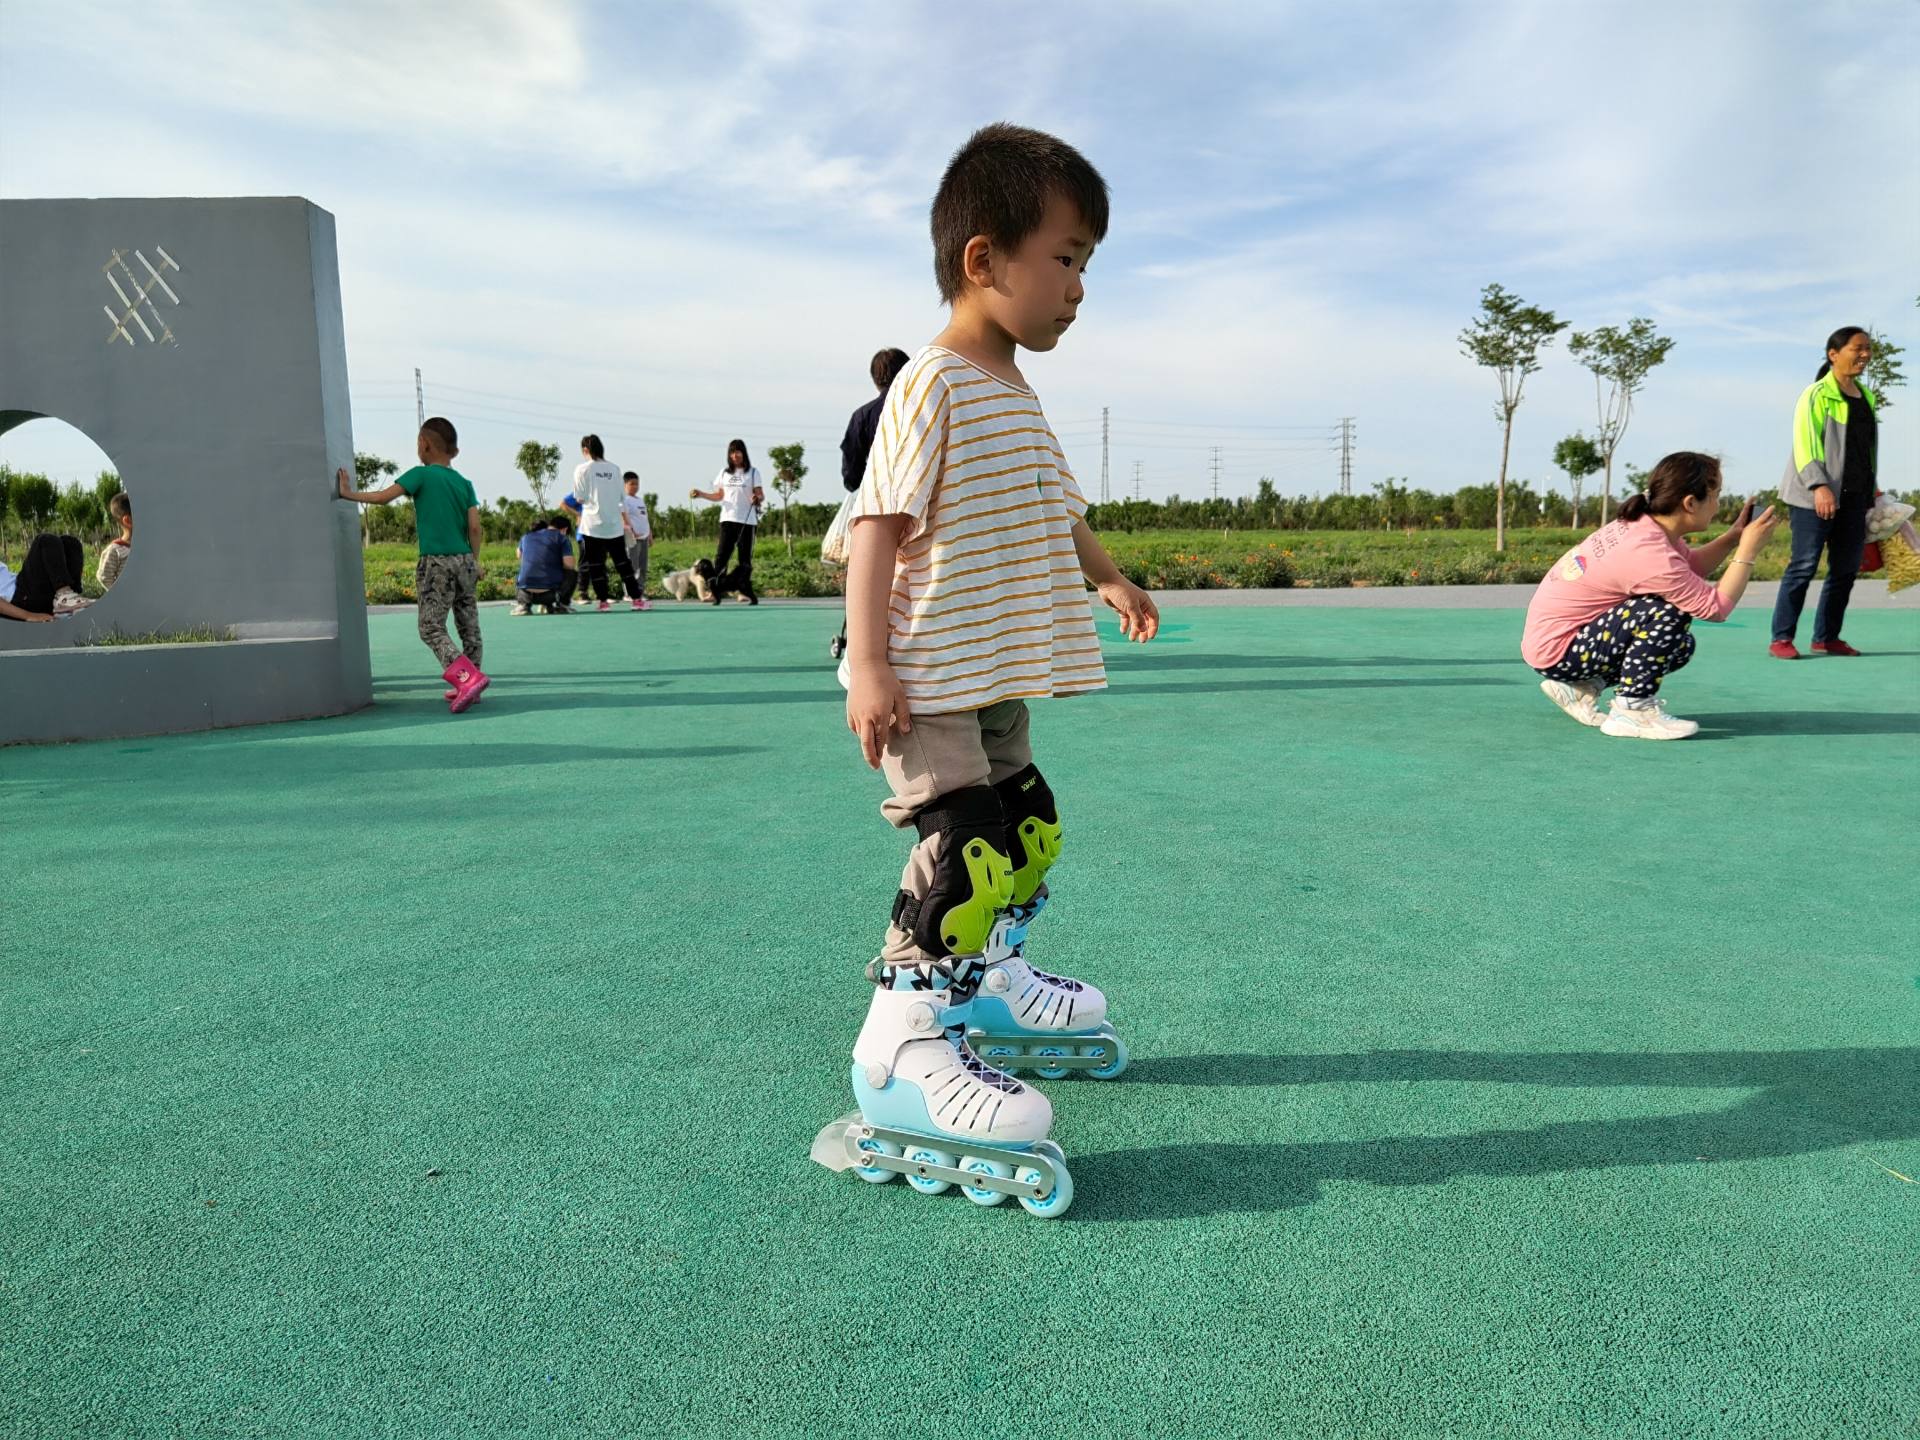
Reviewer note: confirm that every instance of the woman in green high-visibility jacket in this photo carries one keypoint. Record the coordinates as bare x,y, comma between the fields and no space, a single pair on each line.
1828,490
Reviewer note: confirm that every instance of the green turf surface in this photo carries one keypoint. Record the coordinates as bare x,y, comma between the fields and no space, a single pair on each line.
416,1075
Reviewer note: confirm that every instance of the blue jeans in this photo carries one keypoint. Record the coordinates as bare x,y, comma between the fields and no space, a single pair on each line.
1844,538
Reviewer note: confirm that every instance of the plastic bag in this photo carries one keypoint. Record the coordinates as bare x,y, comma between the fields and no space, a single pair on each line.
1886,516
834,548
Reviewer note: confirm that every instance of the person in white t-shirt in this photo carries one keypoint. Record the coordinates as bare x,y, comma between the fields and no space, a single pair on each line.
740,495
639,536
603,524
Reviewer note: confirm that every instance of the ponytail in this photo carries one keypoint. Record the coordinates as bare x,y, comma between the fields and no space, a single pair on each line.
1837,341
1683,475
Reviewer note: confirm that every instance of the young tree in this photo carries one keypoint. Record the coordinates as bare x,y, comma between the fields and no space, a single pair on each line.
107,485
539,463
33,500
368,469
1883,370
1507,338
789,469
1579,457
1619,360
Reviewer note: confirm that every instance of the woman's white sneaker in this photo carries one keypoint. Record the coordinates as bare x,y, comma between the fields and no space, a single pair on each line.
1581,701
1650,722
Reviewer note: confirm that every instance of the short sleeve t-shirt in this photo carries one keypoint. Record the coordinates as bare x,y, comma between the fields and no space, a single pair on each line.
736,489
1621,559
441,500
597,484
8,583
542,559
635,509
988,600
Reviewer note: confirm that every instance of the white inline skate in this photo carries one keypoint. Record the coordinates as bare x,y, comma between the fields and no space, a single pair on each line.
1026,1019
933,1111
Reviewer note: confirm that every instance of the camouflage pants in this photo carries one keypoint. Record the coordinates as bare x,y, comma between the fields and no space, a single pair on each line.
446,583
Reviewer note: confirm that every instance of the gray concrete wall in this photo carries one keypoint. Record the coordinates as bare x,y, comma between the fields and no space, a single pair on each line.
225,415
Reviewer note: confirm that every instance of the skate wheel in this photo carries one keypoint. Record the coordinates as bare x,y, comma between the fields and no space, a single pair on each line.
979,1165
1056,1203
993,1054
873,1174
1048,1072
1115,1052
1051,1149
929,1184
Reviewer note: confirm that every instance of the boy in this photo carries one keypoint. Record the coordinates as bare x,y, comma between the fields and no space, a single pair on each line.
547,572
113,555
633,516
966,598
446,516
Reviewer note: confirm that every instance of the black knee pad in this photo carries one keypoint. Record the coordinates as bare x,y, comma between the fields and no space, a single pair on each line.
1033,830
972,878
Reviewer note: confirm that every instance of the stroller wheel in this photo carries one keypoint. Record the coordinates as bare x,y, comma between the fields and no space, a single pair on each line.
837,646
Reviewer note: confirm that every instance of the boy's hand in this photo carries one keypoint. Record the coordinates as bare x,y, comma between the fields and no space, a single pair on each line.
1139,616
341,478
876,703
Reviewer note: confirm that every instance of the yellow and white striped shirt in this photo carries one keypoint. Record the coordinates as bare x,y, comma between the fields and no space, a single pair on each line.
988,601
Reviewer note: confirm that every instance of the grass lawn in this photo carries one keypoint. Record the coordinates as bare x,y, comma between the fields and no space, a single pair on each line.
413,1075
1162,559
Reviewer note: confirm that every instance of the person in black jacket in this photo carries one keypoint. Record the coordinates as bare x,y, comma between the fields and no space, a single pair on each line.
858,441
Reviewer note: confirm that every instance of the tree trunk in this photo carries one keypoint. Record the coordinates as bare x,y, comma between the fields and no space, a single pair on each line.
1500,490
1576,502
1606,495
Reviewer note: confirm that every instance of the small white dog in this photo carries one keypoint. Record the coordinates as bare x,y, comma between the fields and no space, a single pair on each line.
681,583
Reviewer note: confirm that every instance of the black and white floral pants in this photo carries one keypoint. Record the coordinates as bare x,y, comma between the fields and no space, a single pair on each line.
1634,646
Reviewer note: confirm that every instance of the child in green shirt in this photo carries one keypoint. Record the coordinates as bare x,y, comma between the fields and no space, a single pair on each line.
447,520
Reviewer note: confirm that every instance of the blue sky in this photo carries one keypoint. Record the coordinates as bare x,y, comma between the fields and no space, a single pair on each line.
677,224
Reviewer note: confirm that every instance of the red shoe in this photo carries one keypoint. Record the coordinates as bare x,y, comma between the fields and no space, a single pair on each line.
1833,647
467,682
1783,650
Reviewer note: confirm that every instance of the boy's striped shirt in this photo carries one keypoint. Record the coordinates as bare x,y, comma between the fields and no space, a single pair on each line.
988,601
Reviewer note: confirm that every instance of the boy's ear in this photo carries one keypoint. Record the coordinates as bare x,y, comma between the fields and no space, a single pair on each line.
976,262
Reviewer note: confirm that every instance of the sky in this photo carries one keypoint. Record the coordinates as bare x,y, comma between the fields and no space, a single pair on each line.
677,224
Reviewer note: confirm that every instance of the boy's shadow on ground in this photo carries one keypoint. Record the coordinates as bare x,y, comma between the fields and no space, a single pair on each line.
1808,1100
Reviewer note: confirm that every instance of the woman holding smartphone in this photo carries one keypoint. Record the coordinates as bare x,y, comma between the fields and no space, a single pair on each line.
1618,609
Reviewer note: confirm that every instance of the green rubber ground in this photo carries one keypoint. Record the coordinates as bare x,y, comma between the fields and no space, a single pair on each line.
409,1075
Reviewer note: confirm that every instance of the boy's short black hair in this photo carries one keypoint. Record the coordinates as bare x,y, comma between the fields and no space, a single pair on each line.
630,475
559,520
886,367
120,507
998,185
442,430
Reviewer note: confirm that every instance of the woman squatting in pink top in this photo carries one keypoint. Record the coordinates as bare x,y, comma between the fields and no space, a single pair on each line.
1618,609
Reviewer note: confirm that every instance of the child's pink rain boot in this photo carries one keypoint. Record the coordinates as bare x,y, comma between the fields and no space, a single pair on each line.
467,682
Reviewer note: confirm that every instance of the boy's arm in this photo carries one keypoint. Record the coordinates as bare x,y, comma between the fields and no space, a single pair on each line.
14,612
876,703
366,497
1139,616
473,539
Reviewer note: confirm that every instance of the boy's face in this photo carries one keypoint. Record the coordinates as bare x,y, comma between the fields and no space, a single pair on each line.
1036,290
633,487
